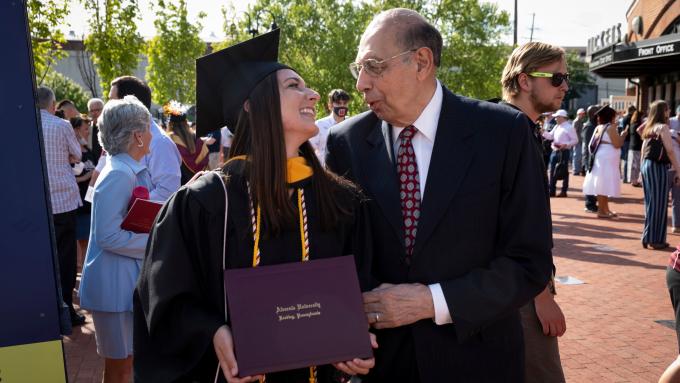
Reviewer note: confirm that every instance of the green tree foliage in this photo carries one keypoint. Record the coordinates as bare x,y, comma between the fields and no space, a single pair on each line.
113,41
320,38
473,55
171,72
580,77
65,88
234,29
45,17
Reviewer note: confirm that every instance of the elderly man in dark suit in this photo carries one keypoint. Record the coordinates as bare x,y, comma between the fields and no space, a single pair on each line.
459,219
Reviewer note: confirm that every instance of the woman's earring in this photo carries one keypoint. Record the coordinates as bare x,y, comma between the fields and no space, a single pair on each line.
141,143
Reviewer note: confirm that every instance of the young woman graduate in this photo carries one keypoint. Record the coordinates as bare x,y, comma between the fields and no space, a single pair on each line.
273,184
192,149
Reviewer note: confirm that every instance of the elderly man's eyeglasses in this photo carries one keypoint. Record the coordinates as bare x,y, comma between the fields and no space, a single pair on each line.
556,79
372,66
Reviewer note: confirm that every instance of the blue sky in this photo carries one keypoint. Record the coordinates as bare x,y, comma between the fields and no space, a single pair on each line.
565,23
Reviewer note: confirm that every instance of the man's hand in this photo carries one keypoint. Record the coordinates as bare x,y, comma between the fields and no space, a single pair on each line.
549,314
224,349
356,365
390,306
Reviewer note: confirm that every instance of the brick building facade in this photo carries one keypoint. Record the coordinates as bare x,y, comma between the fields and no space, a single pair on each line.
646,51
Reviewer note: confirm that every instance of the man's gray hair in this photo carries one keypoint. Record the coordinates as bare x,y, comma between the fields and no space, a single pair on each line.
93,101
412,31
45,97
119,120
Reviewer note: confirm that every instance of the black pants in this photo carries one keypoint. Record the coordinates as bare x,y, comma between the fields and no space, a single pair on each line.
65,233
559,157
591,202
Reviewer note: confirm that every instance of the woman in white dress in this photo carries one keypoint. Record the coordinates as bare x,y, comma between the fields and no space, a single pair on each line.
604,176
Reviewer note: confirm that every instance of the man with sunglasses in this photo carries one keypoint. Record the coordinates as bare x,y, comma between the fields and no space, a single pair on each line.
534,94
448,180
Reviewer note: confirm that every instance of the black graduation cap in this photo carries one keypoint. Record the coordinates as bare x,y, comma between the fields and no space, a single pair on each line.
225,78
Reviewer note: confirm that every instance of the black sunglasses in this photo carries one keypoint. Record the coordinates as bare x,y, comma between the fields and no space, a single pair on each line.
556,79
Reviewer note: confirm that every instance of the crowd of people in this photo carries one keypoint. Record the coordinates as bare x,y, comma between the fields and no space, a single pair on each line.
611,148
455,287
638,148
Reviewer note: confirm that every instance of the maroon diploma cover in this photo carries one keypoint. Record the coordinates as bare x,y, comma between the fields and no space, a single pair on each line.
296,315
141,216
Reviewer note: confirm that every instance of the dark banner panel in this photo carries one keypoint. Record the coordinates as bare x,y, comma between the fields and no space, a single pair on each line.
30,340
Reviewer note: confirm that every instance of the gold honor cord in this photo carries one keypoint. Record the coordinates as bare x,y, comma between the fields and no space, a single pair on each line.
304,238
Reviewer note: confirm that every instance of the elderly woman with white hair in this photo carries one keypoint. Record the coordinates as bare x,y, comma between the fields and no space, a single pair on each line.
114,256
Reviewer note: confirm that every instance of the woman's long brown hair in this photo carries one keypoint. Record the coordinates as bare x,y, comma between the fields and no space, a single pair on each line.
657,115
181,128
635,118
259,135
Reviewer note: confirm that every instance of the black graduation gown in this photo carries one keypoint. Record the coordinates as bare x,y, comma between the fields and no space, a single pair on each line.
179,300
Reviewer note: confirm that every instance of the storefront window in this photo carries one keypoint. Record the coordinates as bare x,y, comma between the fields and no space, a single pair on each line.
674,27
659,92
669,96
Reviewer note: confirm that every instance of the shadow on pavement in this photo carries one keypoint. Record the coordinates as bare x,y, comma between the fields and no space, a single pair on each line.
590,230
588,252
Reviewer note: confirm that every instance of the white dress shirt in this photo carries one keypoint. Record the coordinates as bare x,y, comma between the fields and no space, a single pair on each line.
163,162
319,141
423,143
60,142
226,137
562,134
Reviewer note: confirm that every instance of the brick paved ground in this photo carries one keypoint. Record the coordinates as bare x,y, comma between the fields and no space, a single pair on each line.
83,365
611,334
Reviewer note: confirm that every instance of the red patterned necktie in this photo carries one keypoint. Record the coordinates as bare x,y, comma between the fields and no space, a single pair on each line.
409,189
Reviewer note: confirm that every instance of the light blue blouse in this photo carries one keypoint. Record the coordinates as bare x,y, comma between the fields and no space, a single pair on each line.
114,256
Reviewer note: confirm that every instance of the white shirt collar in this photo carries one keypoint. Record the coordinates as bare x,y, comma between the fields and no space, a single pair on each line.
428,120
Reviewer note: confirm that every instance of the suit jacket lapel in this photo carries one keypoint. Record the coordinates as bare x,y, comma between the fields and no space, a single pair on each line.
381,176
451,157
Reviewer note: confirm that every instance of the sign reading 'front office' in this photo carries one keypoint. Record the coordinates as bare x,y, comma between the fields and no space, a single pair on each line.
635,53
646,52
657,50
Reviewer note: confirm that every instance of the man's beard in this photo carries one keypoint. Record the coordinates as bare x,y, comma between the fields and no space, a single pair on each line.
541,107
